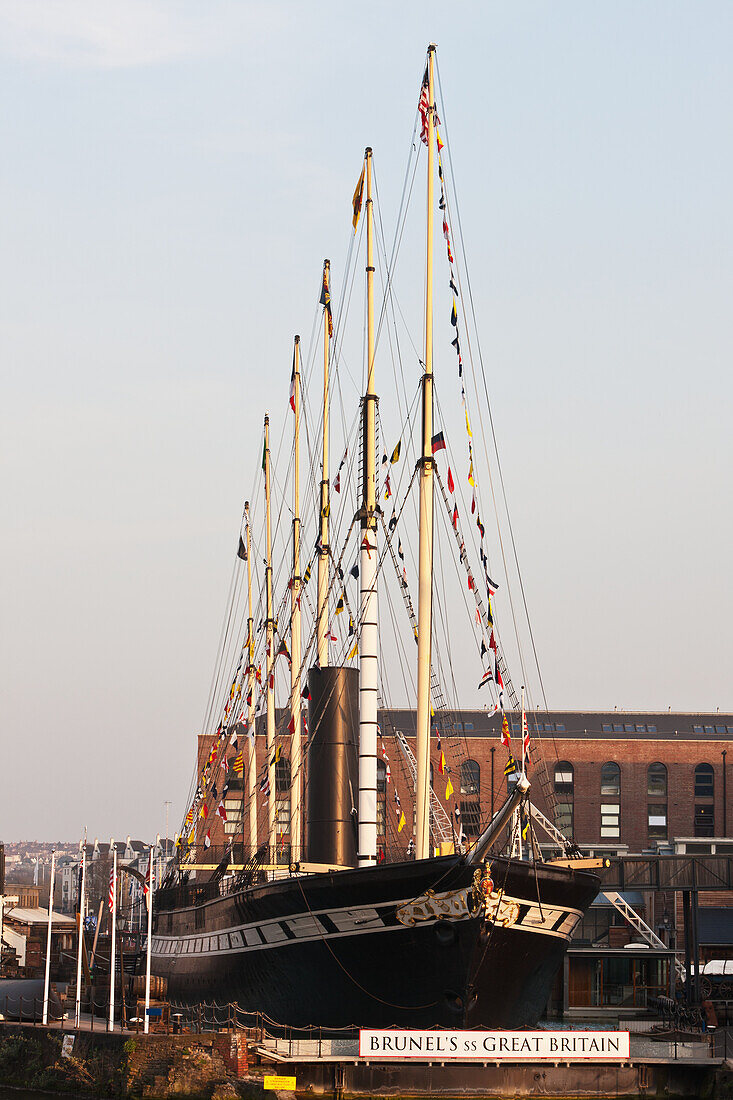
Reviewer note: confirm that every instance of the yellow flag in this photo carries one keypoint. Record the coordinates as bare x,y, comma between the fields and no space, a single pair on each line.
356,201
354,651
396,453
448,790
401,825
468,426
470,474
340,605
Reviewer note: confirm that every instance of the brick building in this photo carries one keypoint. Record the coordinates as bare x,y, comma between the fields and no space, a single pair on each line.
619,781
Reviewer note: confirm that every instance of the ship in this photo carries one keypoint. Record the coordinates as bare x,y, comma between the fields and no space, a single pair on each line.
456,928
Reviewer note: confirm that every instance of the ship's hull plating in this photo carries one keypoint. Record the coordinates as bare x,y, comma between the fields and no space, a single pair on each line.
419,944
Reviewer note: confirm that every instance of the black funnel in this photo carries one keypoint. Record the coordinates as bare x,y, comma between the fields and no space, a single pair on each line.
333,782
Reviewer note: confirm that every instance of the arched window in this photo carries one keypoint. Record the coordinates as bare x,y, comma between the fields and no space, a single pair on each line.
656,781
656,789
704,800
611,779
704,781
282,808
564,782
610,801
282,776
470,777
381,799
470,773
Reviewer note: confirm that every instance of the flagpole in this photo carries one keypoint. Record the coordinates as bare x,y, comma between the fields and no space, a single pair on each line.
270,663
114,942
295,646
368,639
251,737
427,462
518,812
77,1012
322,617
47,980
146,1026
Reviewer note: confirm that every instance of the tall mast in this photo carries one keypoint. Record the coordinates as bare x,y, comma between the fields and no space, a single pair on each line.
270,664
425,581
295,762
368,574
322,618
251,738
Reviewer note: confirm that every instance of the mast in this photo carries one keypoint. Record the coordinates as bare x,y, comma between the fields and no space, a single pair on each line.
368,574
425,581
322,617
113,942
251,757
270,655
295,654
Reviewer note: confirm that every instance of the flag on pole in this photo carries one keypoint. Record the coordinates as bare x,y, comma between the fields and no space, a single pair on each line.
526,746
238,764
292,387
401,824
221,811
505,736
448,790
437,443
423,107
510,767
357,200
242,549
207,839
487,677
451,486
325,301
396,453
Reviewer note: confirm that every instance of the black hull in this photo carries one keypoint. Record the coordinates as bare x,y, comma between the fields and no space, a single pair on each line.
371,948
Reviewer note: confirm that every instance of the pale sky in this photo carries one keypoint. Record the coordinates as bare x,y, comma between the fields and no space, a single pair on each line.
173,175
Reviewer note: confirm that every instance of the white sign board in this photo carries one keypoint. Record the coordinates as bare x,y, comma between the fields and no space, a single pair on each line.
495,1046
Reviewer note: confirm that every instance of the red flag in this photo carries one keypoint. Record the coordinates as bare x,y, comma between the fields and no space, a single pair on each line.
505,739
291,725
221,811
451,486
292,390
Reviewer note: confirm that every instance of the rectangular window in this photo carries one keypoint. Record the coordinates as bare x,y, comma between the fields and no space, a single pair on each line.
720,729
457,726
468,725
560,727
704,821
641,729
709,729
282,815
548,727
231,827
629,729
651,729
471,818
564,816
563,778
697,729
610,814
607,728
618,729
657,822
